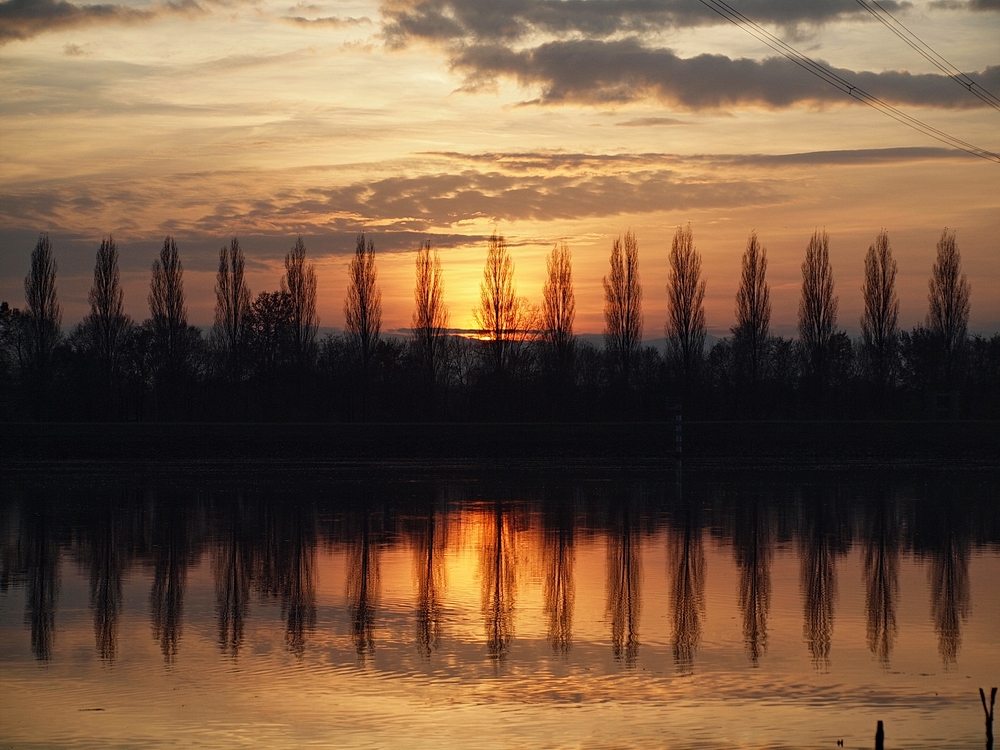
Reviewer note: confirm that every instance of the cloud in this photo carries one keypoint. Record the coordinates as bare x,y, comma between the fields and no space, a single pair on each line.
614,72
646,122
489,21
23,19
329,21
975,5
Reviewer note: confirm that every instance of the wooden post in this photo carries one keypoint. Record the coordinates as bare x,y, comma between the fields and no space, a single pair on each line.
989,715
880,737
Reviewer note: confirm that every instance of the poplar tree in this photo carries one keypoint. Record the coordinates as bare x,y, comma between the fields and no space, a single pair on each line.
880,321
685,328
623,305
753,312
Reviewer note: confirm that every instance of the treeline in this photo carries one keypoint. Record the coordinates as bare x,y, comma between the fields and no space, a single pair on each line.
264,361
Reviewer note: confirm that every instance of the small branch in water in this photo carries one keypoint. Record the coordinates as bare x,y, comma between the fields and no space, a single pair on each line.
989,715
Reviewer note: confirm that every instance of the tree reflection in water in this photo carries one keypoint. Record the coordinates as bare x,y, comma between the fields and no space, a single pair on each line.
287,564
498,577
624,579
268,543
41,562
429,542
881,572
233,566
949,576
753,545
819,543
363,583
107,553
171,551
559,557
687,589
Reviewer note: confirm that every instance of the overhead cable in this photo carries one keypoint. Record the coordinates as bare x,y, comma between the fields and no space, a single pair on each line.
826,74
917,44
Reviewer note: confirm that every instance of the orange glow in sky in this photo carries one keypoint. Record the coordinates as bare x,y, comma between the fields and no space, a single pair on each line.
420,121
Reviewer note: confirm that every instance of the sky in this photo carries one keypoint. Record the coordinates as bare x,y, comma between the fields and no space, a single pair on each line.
445,120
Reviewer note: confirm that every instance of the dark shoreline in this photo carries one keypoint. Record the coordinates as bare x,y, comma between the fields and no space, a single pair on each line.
648,446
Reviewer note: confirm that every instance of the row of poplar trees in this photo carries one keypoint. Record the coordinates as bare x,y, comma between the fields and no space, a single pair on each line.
263,358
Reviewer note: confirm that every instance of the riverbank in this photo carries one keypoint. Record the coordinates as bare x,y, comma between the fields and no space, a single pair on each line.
598,446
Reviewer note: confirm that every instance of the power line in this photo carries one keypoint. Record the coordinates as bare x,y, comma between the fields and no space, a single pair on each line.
838,82
927,52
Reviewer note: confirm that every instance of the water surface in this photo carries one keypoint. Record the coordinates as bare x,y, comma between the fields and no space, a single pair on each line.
487,610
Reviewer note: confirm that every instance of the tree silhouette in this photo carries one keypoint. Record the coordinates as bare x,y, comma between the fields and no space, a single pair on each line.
299,283
879,323
232,309
106,328
168,319
685,328
948,316
559,309
167,306
502,316
753,313
270,332
430,314
363,311
42,315
817,307
623,306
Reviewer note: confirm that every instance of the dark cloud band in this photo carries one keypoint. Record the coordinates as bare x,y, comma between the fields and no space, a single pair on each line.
620,71
489,21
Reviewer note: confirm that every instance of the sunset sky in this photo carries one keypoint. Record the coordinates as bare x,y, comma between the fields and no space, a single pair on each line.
547,120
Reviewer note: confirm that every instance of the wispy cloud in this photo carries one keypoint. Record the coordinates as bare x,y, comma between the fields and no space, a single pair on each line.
335,22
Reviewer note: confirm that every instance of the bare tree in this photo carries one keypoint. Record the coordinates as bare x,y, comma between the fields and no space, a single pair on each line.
559,306
105,330
817,306
948,316
167,307
299,283
42,314
685,329
879,323
363,309
232,308
753,312
623,304
502,316
430,315
270,333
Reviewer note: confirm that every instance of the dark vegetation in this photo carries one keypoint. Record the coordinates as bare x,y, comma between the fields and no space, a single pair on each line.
263,361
